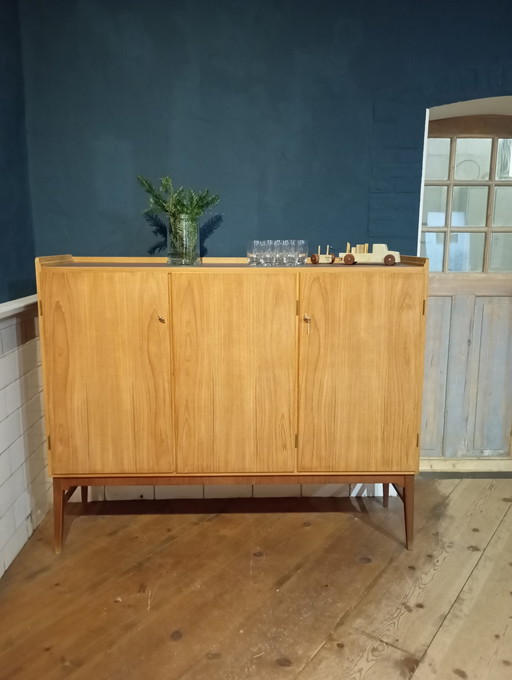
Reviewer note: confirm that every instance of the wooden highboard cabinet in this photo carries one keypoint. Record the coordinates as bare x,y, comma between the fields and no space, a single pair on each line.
225,373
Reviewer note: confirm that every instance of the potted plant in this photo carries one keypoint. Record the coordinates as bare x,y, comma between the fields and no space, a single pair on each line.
182,209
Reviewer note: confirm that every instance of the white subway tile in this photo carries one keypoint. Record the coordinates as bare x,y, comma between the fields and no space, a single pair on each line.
179,491
10,430
13,396
326,490
36,462
128,493
276,490
7,527
33,383
40,497
19,453
8,321
31,412
12,489
228,491
5,467
36,435
29,356
9,368
22,508
10,337
95,493
22,391
3,404
369,490
13,547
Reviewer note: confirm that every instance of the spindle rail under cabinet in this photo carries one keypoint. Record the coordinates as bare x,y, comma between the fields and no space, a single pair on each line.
225,373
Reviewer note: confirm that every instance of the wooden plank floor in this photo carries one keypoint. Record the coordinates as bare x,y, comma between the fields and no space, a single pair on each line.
268,589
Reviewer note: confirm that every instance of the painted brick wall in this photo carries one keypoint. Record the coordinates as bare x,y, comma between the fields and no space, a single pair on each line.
24,483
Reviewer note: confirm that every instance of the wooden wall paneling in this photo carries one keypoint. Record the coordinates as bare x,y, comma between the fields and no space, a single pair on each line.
493,409
234,348
105,344
436,370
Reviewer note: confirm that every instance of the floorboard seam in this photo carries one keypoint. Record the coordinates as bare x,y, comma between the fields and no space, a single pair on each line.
455,600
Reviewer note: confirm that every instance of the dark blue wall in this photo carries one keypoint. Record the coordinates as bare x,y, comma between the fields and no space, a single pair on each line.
307,118
16,237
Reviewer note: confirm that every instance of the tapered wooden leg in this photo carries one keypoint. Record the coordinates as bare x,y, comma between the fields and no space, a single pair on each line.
84,491
58,514
409,510
385,495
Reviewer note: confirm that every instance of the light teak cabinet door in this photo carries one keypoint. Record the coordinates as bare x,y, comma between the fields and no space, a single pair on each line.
234,341
107,366
360,370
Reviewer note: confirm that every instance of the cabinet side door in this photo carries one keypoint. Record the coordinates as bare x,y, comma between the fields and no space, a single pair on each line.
360,370
234,351
107,371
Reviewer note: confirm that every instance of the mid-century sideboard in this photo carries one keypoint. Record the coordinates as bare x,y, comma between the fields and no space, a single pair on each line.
225,373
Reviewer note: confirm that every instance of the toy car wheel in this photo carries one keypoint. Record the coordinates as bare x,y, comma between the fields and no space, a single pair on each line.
389,259
349,259
315,259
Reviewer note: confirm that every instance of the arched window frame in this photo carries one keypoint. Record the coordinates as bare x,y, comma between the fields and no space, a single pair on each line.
494,127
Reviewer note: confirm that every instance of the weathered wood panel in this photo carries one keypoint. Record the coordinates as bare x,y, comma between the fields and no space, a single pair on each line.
436,368
467,398
461,383
493,408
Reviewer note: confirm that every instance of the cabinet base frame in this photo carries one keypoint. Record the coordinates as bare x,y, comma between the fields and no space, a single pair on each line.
64,487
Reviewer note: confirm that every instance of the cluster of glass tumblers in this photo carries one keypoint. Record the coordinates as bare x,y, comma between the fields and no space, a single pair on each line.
277,253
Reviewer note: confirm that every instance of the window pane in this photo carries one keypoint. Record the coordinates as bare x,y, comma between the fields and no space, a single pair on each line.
469,206
501,253
434,207
504,161
466,252
472,159
502,207
432,246
438,156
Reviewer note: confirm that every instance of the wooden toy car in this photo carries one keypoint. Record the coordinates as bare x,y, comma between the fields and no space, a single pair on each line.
323,258
361,254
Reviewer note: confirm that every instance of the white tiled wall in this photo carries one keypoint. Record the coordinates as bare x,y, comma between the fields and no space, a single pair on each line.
24,483
234,491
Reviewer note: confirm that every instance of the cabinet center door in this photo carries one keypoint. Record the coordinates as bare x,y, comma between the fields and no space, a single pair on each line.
234,362
360,369
107,367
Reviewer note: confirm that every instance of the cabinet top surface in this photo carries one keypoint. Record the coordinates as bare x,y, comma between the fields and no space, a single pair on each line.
213,264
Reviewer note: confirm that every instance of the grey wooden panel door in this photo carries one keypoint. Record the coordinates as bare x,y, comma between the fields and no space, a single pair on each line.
467,398
437,343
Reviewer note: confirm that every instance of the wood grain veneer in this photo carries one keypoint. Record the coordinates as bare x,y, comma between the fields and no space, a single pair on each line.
230,373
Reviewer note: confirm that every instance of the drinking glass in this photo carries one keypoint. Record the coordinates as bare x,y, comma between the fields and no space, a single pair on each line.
302,251
253,248
278,253
267,253
290,253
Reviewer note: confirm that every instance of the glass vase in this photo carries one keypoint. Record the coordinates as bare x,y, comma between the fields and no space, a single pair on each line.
183,241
